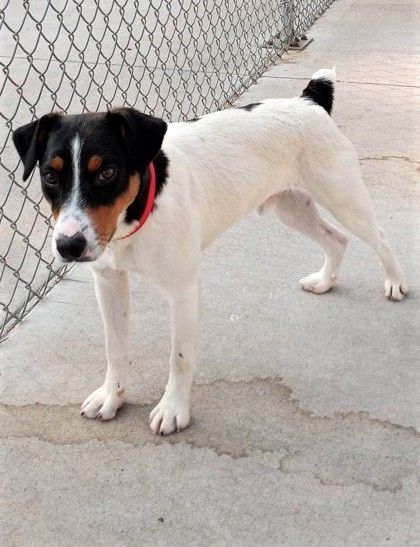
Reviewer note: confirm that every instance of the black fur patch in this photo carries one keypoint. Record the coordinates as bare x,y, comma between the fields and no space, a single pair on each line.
135,210
193,120
249,107
320,91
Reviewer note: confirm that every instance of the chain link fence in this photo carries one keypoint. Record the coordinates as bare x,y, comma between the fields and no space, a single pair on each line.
176,59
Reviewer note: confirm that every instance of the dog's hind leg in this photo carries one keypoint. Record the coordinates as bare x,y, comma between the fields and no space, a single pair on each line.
297,209
339,187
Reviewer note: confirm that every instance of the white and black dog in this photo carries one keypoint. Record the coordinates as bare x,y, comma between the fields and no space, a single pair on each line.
131,193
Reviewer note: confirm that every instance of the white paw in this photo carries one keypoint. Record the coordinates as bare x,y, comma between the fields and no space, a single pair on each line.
102,404
169,415
317,282
396,289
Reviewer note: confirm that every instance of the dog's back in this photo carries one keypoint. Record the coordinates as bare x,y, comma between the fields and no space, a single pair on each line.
247,154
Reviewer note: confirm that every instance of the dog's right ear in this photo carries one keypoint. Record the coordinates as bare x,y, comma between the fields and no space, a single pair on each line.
30,141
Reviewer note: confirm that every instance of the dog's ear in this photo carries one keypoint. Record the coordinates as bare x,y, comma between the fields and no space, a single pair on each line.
142,134
30,141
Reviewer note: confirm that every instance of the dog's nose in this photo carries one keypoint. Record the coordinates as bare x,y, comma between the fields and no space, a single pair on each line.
71,248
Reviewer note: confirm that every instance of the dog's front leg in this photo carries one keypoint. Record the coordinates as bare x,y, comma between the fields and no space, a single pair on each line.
173,411
112,295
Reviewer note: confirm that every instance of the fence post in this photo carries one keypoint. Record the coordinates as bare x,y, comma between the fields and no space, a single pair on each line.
298,36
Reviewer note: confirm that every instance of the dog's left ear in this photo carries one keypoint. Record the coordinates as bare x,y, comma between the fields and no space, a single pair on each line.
142,134
30,141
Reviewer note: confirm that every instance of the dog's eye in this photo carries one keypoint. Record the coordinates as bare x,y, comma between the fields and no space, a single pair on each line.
107,174
50,178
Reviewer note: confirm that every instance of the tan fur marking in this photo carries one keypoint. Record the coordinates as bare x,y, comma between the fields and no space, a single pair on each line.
104,218
55,213
57,163
94,163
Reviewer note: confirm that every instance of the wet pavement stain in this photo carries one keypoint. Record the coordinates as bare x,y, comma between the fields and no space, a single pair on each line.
242,419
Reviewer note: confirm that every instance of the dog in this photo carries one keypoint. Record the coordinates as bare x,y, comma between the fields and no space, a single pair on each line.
130,193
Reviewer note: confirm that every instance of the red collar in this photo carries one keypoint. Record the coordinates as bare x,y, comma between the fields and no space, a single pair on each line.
149,203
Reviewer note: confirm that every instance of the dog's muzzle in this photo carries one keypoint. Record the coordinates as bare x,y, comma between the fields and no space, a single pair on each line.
72,248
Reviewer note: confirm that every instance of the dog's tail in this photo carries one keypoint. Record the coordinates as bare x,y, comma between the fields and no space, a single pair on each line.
320,89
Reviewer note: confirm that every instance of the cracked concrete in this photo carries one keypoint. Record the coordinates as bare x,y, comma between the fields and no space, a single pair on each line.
383,158
262,417
305,407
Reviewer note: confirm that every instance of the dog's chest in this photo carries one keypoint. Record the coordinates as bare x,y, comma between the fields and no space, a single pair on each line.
120,257
132,257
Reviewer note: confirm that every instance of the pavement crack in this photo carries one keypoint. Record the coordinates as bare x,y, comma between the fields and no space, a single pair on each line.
342,81
384,158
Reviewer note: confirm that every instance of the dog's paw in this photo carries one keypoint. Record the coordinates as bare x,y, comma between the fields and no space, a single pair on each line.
396,289
317,282
102,404
169,415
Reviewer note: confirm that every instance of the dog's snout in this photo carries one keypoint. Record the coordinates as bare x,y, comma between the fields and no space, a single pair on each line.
71,248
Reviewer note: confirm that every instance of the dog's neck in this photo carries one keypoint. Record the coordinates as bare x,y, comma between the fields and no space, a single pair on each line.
135,210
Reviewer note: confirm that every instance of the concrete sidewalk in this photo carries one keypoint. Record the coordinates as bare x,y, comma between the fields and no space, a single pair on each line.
305,406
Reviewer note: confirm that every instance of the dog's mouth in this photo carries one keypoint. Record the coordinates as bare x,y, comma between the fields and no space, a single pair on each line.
76,260
76,239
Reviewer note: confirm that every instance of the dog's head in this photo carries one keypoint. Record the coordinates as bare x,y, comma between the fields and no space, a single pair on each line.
91,168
